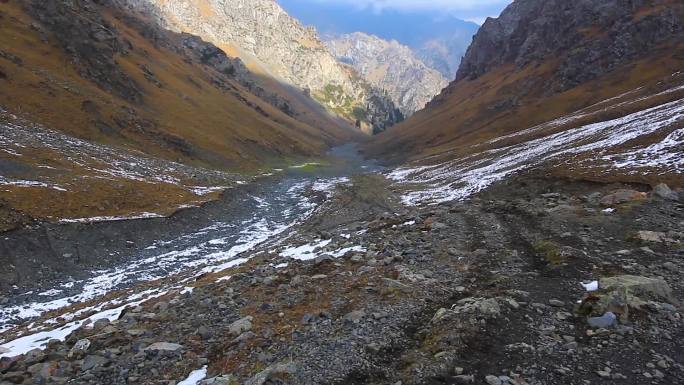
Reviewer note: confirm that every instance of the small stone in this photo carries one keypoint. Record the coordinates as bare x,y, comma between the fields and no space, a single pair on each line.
355,316
164,346
670,266
607,320
556,303
80,348
204,332
464,379
493,380
458,370
322,259
91,362
605,373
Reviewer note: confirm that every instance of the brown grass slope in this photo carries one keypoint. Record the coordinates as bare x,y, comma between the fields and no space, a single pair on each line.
175,110
102,74
505,94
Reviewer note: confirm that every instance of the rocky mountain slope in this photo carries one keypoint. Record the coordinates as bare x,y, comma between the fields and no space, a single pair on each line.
527,78
390,66
91,91
439,37
445,53
275,44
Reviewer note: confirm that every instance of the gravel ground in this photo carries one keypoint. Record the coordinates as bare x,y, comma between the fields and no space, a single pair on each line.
485,291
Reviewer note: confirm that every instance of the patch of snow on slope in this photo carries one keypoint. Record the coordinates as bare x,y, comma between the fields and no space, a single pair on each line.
38,340
195,377
461,178
304,252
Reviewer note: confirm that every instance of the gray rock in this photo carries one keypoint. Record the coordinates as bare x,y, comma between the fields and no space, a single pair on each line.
91,362
642,287
464,379
396,285
556,303
240,326
80,348
663,191
493,380
652,236
164,346
607,320
323,258
204,332
622,196
276,371
355,316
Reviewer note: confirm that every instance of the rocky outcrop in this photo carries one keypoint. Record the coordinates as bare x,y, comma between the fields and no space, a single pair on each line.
445,53
208,54
270,41
90,41
390,66
587,37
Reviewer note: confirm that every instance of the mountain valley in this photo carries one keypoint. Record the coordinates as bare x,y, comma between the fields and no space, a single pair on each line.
209,193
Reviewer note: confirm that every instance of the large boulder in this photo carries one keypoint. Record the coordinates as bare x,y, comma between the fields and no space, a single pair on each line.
643,287
621,293
663,191
622,196
240,326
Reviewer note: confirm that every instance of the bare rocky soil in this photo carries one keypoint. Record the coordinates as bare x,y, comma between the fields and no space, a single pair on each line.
486,291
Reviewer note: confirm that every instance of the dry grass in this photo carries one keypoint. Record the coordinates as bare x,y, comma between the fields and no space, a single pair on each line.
231,129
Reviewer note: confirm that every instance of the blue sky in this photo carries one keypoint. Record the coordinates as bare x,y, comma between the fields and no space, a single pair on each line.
471,10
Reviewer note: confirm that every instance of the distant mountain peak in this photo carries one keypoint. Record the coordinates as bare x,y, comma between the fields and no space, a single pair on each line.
391,66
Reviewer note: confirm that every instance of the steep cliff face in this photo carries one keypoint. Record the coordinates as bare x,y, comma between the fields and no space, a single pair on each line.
390,66
270,42
542,60
587,38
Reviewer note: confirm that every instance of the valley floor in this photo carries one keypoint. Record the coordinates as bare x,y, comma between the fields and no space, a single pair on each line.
368,291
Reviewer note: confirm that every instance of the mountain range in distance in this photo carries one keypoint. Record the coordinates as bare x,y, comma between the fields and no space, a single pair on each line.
440,40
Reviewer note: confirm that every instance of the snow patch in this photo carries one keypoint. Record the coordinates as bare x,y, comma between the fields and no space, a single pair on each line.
591,286
195,377
304,252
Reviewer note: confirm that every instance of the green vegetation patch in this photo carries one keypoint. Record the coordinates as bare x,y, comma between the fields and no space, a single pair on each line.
550,251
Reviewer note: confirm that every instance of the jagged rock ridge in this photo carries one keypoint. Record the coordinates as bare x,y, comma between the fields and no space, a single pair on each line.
390,66
265,36
588,39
